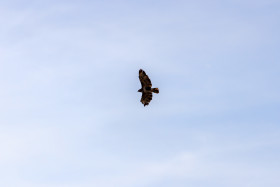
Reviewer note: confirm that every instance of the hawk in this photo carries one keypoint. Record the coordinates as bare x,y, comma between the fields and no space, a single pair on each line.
146,89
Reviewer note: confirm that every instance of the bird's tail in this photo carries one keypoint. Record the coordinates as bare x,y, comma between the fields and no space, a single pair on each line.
155,90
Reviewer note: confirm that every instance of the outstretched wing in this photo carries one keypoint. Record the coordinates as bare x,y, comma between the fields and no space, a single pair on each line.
146,98
144,79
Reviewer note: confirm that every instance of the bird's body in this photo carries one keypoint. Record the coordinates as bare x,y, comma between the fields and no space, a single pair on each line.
146,89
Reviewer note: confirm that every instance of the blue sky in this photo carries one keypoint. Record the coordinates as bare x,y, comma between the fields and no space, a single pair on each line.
70,114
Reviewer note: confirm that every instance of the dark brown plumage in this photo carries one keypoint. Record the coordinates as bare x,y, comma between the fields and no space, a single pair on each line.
146,88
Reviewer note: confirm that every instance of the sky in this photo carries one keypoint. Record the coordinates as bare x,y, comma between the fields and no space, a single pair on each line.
70,113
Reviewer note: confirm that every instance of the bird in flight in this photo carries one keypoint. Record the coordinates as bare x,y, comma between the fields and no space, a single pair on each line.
146,89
